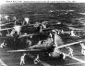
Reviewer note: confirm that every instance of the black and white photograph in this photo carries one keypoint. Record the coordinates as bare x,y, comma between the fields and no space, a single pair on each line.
42,34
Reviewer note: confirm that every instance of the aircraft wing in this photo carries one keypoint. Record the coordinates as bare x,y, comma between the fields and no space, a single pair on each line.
69,44
5,24
23,50
5,29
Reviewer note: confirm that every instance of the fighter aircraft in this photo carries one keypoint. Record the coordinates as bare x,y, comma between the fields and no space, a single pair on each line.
42,48
20,39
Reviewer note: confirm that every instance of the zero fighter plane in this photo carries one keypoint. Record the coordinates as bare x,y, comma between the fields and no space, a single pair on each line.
42,48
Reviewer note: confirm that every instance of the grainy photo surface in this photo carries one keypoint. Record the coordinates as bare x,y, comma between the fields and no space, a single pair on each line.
42,34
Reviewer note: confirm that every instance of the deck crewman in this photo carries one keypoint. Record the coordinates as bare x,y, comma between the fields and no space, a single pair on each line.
16,29
70,51
26,21
43,25
82,48
72,33
22,59
3,44
37,60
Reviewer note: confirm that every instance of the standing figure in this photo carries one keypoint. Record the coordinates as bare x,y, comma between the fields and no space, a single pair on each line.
40,28
62,31
70,51
16,29
12,32
26,21
43,25
82,48
64,56
36,59
22,59
3,44
72,33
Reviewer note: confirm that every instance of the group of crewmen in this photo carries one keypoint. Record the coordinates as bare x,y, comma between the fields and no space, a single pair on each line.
53,40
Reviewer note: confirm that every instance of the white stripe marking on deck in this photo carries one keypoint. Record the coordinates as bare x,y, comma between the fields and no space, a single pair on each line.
2,63
44,63
74,63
